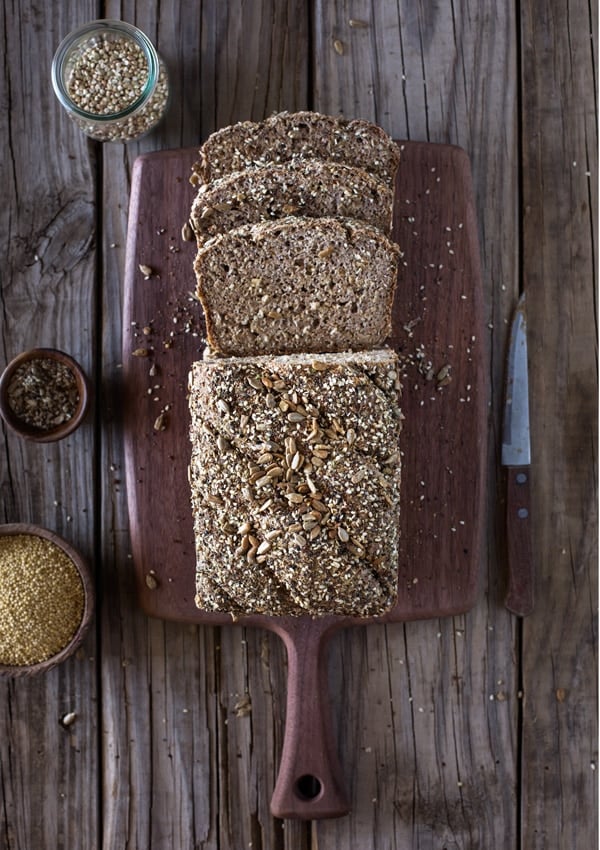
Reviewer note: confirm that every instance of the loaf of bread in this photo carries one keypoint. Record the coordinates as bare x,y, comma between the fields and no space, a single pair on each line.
295,477
297,284
312,188
287,136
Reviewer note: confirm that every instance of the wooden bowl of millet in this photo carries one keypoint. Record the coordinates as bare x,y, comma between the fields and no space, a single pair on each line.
44,395
46,599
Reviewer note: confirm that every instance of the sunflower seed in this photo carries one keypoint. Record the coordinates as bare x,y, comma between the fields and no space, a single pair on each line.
343,534
187,234
160,423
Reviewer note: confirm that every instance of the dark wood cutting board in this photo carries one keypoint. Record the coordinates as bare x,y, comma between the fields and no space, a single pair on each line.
438,332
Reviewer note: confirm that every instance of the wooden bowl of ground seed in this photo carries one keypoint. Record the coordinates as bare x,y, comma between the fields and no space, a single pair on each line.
44,395
46,599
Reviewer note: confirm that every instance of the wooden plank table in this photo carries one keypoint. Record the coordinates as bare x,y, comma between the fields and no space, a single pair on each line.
474,731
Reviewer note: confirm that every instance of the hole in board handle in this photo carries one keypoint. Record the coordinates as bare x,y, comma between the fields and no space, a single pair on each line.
308,787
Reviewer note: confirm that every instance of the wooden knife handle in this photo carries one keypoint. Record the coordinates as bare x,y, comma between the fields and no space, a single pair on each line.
520,594
309,783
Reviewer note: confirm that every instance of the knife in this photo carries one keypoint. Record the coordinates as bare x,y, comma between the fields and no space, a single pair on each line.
516,457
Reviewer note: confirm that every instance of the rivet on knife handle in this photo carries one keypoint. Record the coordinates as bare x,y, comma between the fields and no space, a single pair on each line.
520,593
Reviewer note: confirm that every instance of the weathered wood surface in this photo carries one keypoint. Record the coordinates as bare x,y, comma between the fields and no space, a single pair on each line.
469,732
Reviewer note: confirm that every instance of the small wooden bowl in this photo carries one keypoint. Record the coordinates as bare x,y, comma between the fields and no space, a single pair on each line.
29,432
88,600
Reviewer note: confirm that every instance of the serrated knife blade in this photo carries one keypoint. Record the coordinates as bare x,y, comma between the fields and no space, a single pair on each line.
516,457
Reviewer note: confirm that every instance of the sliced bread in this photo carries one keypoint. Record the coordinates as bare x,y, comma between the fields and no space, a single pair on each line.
309,188
297,284
295,483
289,135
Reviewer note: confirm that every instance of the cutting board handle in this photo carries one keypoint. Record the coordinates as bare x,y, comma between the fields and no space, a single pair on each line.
309,783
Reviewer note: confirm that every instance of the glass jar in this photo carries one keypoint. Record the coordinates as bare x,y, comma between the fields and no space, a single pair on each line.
111,81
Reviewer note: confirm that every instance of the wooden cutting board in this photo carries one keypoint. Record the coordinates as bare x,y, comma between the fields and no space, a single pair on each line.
438,332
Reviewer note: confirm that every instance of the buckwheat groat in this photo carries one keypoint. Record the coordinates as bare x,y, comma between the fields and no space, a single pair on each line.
295,479
290,135
297,284
310,188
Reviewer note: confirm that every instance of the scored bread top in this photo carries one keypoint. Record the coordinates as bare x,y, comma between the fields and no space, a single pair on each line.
295,482
289,135
297,284
310,188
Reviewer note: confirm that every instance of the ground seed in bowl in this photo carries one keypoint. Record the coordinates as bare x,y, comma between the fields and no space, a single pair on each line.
43,393
41,599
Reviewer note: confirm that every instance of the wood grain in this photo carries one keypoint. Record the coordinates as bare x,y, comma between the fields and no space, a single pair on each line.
560,220
437,72
225,761
48,220
179,728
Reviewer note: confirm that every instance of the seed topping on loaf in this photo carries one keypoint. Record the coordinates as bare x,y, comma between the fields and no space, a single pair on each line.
295,476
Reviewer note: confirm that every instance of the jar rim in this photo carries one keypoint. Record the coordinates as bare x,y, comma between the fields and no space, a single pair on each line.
78,35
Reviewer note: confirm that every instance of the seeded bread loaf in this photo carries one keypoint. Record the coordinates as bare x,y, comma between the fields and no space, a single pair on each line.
295,478
310,188
287,136
297,284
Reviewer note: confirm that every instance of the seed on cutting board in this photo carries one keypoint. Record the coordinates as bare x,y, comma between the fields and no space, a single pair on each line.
151,582
41,599
338,46
145,270
187,234
141,352
160,423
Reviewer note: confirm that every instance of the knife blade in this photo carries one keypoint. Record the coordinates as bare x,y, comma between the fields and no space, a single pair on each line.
516,457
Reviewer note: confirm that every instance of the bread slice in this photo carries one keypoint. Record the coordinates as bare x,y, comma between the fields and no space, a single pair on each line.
297,284
289,135
295,483
309,188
